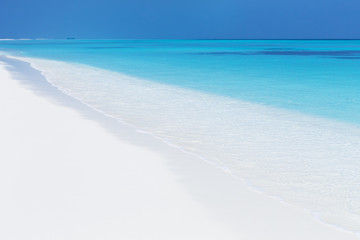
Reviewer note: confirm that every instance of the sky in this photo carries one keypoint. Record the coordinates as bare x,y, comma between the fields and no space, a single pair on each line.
181,19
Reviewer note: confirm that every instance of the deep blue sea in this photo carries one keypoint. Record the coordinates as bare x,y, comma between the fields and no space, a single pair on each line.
283,115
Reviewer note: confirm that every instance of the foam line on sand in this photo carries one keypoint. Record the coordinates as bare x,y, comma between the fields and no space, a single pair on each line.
68,172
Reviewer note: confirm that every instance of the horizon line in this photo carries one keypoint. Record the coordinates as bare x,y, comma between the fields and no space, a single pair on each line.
74,38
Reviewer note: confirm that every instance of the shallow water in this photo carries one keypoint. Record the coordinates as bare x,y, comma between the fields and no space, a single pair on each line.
282,115
316,77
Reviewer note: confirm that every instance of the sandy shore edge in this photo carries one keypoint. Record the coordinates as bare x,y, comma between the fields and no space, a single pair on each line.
68,172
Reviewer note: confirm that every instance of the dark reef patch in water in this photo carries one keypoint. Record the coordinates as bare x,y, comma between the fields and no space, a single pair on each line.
346,54
107,47
313,53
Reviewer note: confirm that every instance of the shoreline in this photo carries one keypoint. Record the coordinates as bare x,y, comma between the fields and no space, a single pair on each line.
222,204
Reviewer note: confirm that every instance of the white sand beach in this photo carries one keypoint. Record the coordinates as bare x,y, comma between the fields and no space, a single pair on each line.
68,172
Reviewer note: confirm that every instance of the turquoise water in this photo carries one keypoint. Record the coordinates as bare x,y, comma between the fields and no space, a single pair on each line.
316,77
281,115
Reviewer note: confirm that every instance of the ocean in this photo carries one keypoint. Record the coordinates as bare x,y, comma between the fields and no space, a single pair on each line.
281,115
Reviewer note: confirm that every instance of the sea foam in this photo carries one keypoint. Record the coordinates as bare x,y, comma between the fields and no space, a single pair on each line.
307,161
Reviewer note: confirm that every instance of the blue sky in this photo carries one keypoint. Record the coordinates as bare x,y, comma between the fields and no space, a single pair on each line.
180,19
